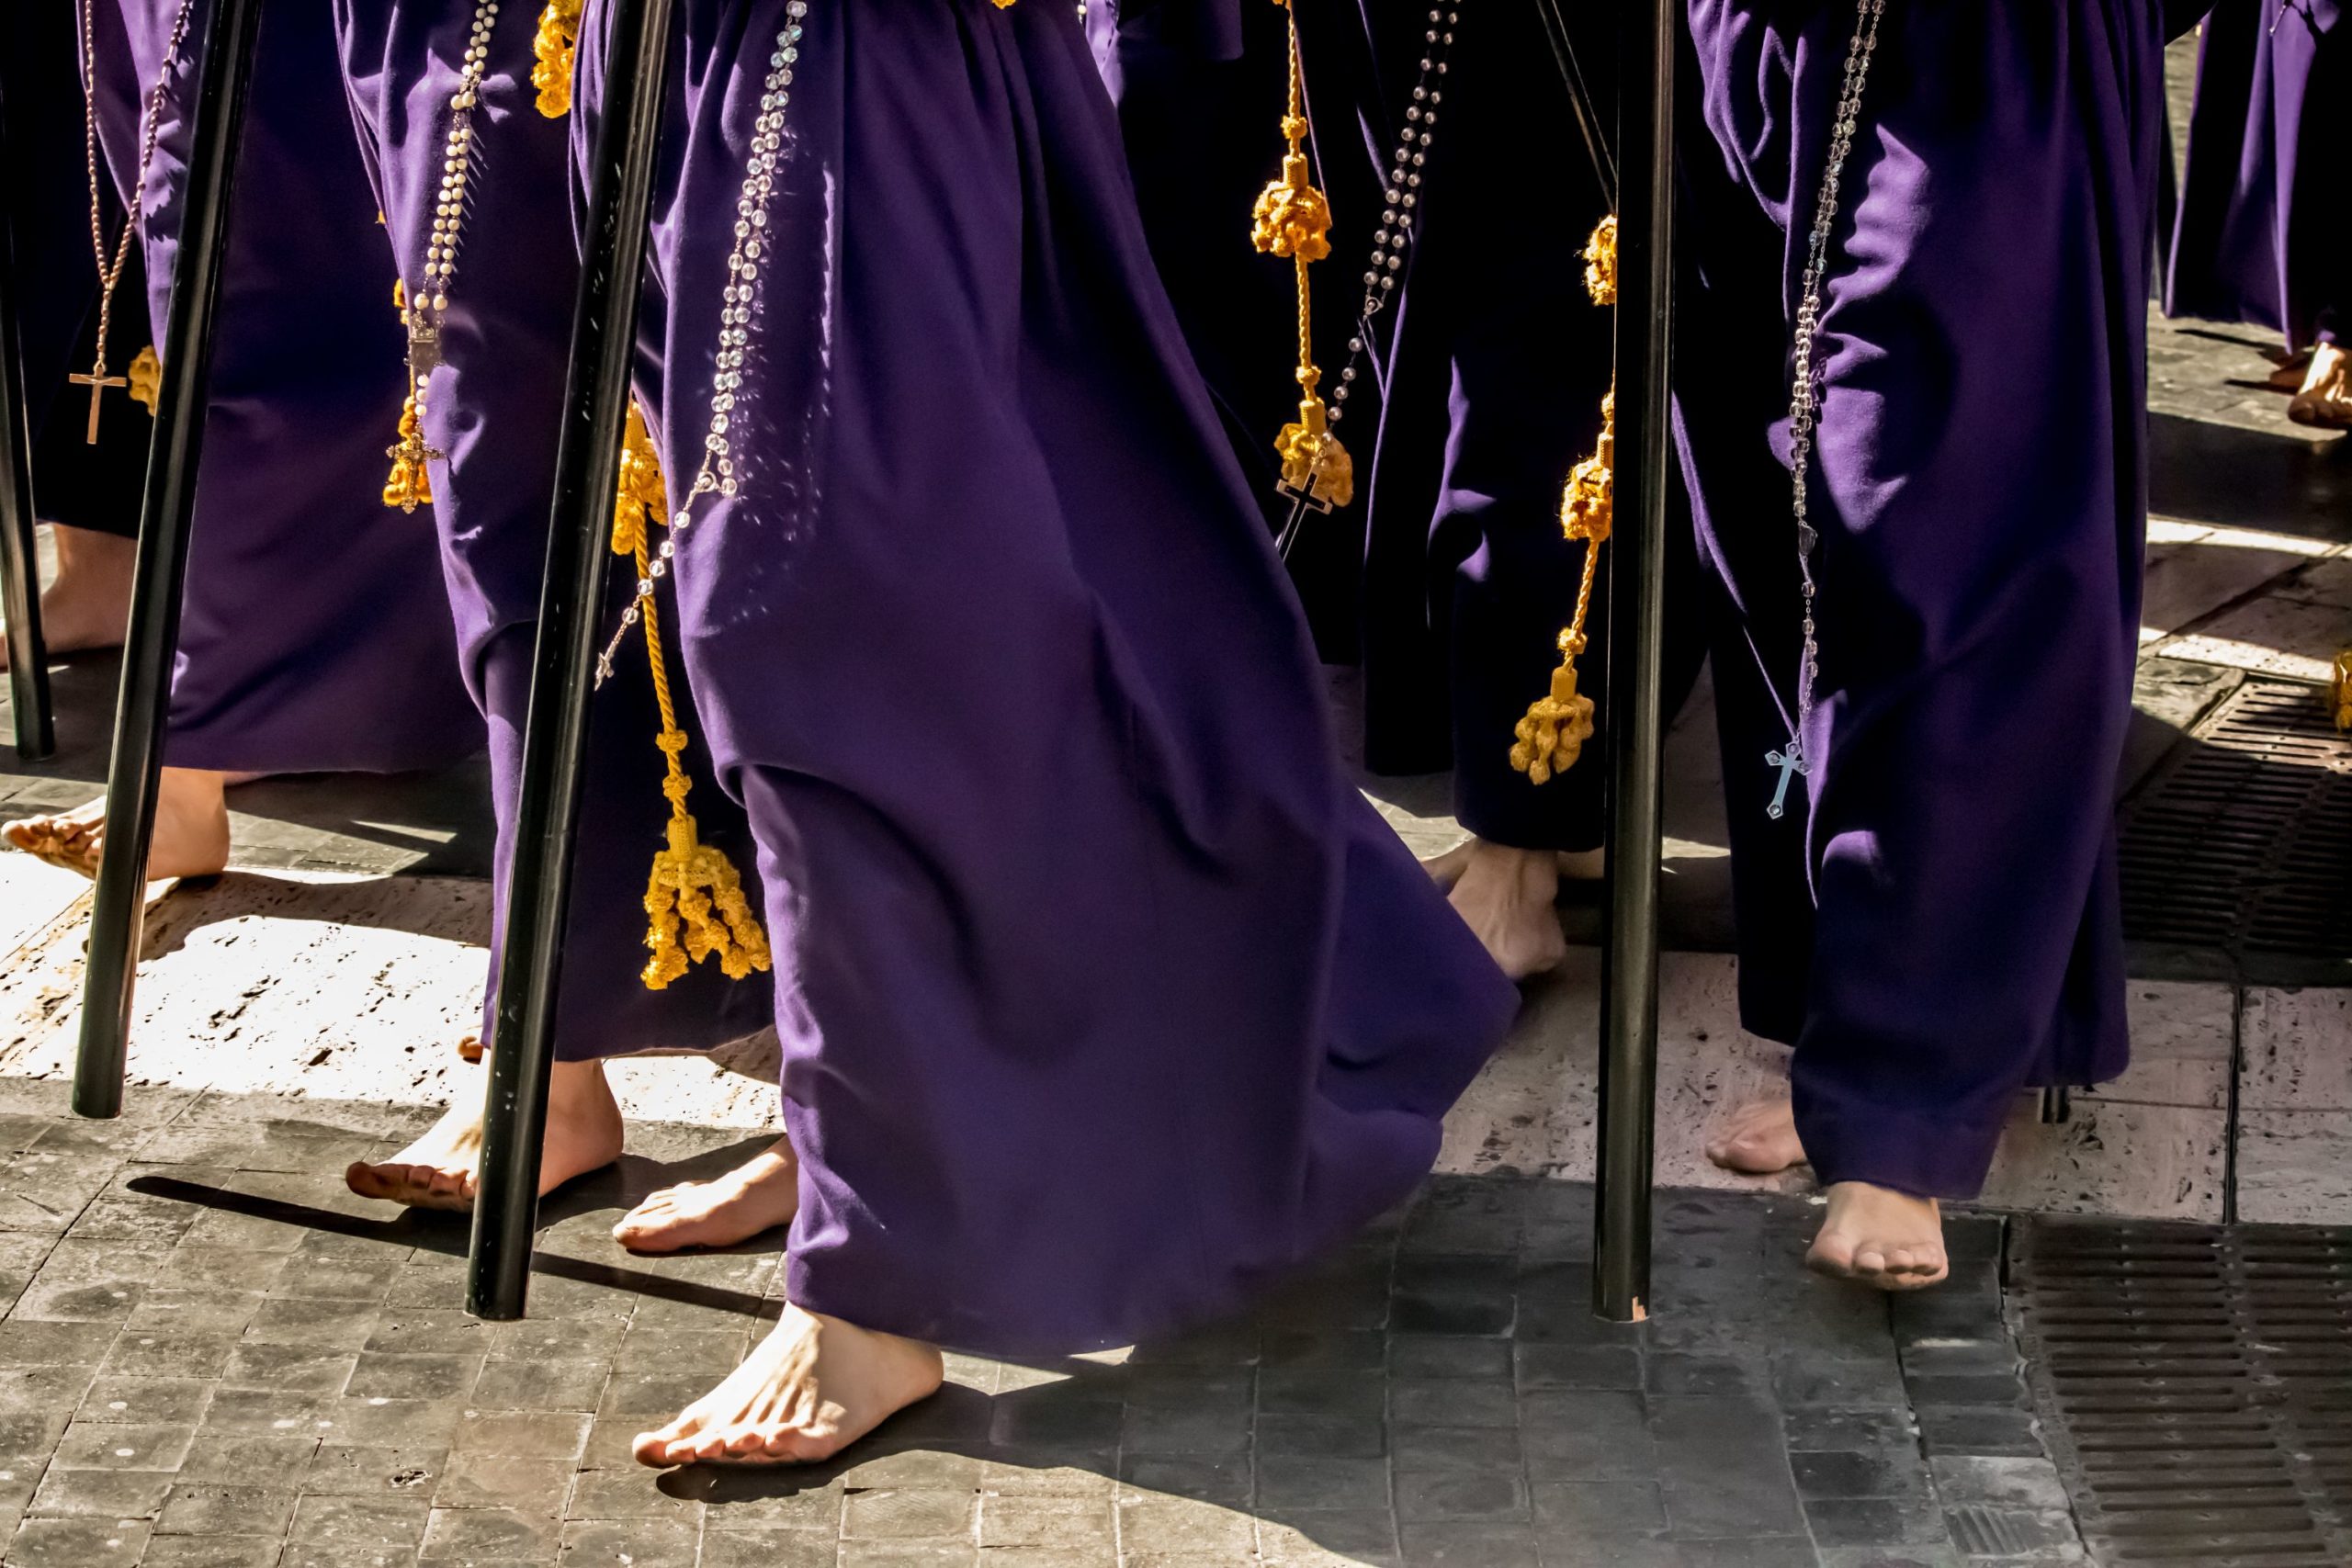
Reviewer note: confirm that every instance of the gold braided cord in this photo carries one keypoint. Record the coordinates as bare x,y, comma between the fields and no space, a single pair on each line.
553,48
693,890
1550,738
1293,220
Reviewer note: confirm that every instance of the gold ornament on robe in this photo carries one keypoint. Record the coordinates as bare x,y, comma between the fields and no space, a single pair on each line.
146,377
410,485
1292,220
695,904
553,48
1552,736
2340,691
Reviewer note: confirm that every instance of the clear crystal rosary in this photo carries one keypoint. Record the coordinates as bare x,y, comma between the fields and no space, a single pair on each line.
717,473
1804,398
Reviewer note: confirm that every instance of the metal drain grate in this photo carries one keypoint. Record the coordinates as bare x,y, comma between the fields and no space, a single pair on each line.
2242,843
2200,1378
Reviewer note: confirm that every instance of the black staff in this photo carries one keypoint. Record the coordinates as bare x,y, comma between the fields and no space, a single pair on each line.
19,562
1620,1259
555,732
119,908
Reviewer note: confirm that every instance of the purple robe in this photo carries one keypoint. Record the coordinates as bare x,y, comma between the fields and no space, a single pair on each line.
2265,234
1103,999
315,634
1936,924
494,409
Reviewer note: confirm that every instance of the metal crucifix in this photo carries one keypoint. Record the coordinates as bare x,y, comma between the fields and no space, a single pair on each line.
97,381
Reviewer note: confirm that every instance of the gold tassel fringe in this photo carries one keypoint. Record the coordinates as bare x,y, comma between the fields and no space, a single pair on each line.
1292,220
553,48
1552,736
694,892
146,377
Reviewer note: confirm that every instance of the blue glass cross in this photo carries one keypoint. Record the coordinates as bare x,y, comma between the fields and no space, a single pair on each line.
1793,765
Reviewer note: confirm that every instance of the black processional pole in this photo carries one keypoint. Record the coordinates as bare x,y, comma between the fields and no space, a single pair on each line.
118,909
555,733
1620,1259
19,552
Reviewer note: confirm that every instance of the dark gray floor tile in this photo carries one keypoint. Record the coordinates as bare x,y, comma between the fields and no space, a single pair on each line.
1600,1507
1462,1494
1454,1448
1875,1521
1286,1482
1470,1545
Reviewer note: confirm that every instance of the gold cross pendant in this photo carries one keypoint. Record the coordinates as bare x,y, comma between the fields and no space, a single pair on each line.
97,381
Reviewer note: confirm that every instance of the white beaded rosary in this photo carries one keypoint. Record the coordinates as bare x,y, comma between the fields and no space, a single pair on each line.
430,301
1394,236
717,473
1804,398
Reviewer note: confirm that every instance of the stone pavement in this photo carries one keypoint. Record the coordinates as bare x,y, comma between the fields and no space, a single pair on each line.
217,1358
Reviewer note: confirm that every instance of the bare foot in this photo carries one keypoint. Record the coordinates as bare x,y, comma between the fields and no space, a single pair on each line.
87,604
191,829
2289,377
1889,1240
758,1195
1576,866
1506,895
437,1171
2325,400
811,1388
1758,1139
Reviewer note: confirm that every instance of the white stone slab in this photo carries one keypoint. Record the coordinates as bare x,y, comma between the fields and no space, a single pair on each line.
2298,1050
2295,1167
2293,638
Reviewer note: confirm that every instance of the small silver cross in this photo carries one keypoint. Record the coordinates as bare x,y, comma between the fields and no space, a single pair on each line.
1793,765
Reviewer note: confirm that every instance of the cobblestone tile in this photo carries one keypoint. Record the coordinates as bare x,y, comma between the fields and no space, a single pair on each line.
78,1543
768,1548
100,1494
213,1551
217,1509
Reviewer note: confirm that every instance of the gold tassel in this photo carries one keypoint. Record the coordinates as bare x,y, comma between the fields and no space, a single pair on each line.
146,377
1552,736
1293,220
2341,690
552,50
409,484
693,890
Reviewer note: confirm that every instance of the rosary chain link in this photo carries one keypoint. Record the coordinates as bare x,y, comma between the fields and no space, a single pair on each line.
110,270
1804,400
716,475
1400,197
